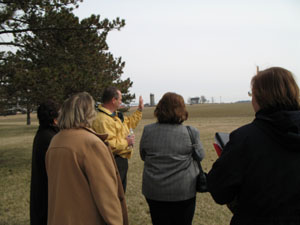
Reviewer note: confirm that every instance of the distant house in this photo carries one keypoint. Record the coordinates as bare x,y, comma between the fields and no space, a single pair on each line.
194,100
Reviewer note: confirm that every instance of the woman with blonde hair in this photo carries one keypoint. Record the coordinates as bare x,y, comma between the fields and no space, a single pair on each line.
170,173
84,186
259,167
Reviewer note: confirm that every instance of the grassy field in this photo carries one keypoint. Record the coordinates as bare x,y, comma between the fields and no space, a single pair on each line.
15,163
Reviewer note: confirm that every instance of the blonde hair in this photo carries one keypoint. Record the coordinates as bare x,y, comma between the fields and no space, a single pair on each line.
77,111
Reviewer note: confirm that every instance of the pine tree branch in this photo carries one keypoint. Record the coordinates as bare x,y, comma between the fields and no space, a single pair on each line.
11,43
41,29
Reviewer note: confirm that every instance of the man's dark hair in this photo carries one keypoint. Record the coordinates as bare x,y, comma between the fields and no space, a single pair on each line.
110,93
47,112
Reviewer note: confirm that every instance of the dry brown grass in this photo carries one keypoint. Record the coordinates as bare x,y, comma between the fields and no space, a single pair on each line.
15,163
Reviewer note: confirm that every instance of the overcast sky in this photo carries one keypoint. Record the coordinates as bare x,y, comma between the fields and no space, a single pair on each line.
200,47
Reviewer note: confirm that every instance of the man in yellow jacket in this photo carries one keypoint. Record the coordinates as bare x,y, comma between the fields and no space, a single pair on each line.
110,121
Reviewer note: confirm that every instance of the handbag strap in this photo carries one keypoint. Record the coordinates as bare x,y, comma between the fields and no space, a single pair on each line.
195,155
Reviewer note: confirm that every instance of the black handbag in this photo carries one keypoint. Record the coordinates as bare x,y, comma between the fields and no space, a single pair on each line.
201,185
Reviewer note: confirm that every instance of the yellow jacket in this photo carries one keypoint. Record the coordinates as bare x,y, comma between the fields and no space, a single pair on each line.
107,123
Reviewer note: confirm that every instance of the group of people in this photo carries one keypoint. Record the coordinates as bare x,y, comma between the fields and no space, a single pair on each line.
80,160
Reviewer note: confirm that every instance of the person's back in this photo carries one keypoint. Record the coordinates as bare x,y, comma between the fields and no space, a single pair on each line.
269,181
71,155
170,172
83,182
259,166
271,185
47,113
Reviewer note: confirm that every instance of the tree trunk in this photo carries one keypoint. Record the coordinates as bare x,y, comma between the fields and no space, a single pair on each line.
28,115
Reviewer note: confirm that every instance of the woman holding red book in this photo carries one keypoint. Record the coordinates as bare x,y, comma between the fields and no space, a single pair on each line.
259,166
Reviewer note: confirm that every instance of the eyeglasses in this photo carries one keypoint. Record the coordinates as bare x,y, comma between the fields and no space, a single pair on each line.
249,93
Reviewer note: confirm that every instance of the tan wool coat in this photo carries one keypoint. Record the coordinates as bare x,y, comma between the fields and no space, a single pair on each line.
84,187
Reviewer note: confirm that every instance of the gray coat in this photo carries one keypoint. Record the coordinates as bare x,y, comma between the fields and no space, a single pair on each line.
169,169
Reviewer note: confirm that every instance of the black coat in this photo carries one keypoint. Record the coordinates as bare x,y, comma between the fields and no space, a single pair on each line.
39,184
260,167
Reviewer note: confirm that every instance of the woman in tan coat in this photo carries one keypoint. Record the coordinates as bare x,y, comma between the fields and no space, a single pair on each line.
84,186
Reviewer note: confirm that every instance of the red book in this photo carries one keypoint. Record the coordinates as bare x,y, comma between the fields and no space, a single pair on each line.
218,149
221,140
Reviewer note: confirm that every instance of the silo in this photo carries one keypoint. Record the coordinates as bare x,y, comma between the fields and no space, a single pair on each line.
152,102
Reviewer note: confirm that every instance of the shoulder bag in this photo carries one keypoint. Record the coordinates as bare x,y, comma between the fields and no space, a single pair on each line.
201,185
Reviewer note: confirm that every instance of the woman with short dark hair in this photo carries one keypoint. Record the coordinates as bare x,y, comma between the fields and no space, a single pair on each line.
169,177
47,114
259,167
171,109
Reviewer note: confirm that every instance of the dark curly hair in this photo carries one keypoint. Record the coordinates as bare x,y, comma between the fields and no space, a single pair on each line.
171,109
47,112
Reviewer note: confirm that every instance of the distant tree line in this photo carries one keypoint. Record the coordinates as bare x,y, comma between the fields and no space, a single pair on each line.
55,54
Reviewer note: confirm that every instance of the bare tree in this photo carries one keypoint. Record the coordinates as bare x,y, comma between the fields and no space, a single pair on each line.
203,99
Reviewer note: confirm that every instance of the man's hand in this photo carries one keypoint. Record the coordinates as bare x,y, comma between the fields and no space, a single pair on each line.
130,139
141,103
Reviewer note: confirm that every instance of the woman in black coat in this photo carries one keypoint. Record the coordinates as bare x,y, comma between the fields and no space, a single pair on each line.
47,114
260,166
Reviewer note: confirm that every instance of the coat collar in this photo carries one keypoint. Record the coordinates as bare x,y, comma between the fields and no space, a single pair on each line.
105,110
103,137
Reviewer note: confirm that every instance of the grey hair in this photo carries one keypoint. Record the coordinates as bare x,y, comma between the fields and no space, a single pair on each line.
77,111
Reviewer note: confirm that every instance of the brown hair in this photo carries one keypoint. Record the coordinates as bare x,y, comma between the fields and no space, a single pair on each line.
275,88
77,111
171,109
